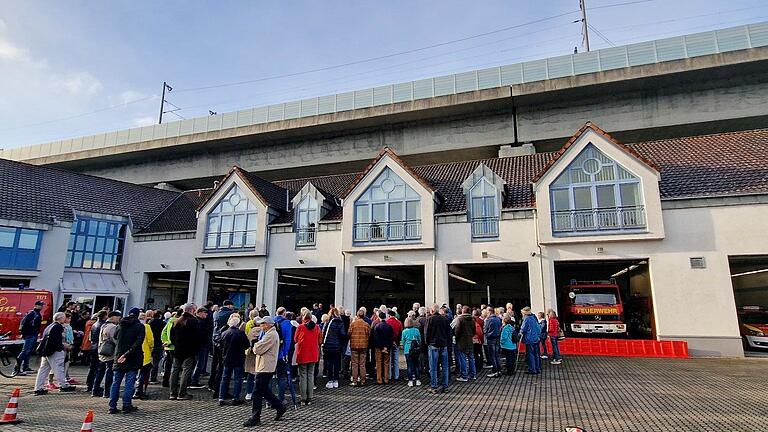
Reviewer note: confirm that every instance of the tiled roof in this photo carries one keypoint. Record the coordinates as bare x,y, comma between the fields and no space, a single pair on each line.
37,194
707,165
180,215
386,151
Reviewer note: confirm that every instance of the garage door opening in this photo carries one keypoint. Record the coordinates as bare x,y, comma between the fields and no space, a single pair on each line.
399,286
238,285
605,298
749,276
491,284
297,288
167,291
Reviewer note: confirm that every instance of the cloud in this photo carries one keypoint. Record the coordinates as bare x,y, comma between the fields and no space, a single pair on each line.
144,121
9,51
79,83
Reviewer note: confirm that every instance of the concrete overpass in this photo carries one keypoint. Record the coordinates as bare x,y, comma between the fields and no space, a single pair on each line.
635,100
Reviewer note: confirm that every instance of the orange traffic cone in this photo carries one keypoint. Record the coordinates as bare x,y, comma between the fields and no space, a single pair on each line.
88,422
10,417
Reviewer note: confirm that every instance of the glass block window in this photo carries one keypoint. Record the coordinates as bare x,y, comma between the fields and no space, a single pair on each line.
232,223
95,244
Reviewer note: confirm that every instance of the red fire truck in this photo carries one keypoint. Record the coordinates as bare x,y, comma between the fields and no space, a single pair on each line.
594,307
14,304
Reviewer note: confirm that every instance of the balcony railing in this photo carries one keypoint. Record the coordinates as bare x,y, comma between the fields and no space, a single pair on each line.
598,219
388,231
306,236
485,227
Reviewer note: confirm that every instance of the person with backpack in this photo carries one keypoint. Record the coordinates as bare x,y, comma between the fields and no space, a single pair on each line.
334,335
106,351
29,328
51,351
465,333
129,356
553,331
220,318
508,342
411,341
531,332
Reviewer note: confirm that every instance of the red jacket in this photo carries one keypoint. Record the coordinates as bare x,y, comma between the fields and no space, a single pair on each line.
553,327
307,338
397,329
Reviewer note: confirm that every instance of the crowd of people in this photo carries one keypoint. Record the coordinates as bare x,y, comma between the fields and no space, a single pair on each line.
269,352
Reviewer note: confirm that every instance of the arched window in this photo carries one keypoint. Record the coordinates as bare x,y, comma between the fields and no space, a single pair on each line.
484,209
306,221
232,223
596,194
388,210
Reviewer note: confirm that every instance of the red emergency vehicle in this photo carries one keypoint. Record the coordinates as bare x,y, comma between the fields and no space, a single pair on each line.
594,307
14,304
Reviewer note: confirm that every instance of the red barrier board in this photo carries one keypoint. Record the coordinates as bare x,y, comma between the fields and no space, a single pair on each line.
620,347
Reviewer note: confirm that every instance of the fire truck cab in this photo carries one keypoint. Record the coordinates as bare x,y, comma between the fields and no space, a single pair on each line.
14,304
594,307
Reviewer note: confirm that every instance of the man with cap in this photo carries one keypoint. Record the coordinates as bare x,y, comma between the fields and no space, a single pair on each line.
129,358
29,329
266,349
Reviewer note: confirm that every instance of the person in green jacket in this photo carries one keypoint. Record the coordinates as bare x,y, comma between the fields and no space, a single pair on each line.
165,337
411,341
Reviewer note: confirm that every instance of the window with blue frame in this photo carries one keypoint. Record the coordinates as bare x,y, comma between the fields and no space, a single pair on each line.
232,223
484,210
388,211
19,248
95,244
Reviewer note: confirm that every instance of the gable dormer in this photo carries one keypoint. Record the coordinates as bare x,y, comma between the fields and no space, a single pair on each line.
310,205
389,206
484,191
235,216
597,189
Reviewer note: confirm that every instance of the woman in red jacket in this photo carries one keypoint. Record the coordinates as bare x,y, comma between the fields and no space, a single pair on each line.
553,331
307,338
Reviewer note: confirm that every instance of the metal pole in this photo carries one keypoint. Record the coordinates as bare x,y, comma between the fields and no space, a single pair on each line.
585,29
162,102
488,293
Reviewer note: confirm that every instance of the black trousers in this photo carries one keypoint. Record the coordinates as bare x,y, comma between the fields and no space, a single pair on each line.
262,391
217,367
167,365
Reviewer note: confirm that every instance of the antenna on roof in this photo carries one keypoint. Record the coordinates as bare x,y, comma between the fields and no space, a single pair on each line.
584,26
163,101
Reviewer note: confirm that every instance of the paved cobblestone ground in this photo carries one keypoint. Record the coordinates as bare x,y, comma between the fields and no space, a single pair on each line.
599,394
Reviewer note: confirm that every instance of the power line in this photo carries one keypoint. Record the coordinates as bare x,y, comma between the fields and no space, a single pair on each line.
602,36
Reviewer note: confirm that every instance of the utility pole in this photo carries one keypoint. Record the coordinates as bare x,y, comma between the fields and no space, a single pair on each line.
162,101
584,28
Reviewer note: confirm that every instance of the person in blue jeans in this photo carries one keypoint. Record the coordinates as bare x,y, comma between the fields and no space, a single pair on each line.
543,336
128,360
29,329
438,335
234,342
531,333
411,341
554,333
492,331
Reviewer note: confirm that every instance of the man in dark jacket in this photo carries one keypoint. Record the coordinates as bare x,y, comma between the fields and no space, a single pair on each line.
465,332
186,340
438,335
128,360
52,355
234,342
29,329
156,323
382,336
285,329
492,330
205,319
220,318
93,339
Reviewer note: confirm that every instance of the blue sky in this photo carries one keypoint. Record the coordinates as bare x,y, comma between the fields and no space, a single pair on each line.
61,60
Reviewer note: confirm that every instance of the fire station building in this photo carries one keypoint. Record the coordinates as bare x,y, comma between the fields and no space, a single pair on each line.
678,226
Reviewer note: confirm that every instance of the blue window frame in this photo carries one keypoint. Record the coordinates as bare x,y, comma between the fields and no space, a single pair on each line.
19,248
484,210
306,221
95,244
232,223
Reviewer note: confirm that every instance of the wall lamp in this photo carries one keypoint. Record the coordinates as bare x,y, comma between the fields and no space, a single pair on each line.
301,261
165,266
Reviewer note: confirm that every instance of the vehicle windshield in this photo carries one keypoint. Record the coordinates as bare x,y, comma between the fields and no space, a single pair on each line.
755,318
595,296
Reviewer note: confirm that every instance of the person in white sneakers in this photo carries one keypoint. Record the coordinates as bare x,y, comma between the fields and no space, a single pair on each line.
412,344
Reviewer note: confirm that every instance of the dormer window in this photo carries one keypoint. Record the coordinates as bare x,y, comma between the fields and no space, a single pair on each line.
594,194
388,211
232,223
484,191
306,221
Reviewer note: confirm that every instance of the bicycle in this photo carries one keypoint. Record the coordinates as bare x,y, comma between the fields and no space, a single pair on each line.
7,359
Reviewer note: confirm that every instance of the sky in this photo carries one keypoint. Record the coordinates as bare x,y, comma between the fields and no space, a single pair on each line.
72,68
